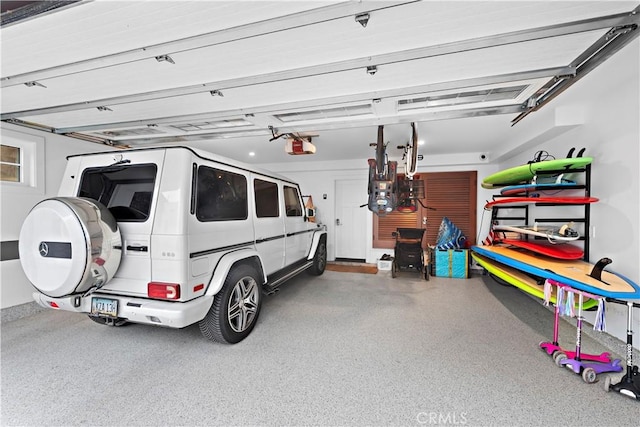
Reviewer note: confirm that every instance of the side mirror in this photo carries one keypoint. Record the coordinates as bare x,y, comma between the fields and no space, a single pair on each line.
311,213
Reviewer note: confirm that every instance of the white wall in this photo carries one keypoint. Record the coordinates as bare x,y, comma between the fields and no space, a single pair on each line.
320,178
607,101
16,202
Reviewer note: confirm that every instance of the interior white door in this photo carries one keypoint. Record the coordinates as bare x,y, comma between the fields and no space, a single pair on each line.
351,219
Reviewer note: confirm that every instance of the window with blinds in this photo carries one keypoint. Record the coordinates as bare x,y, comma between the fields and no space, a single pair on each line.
451,194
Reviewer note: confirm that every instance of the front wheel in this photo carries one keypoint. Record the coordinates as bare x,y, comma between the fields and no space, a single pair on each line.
319,259
235,308
589,375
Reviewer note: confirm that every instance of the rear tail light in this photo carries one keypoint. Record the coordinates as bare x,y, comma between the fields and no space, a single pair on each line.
161,290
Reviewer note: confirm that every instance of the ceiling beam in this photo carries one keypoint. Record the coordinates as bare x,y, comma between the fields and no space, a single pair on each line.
347,65
334,101
607,45
254,29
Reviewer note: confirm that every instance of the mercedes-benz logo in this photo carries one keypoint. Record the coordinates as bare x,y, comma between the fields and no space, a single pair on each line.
44,249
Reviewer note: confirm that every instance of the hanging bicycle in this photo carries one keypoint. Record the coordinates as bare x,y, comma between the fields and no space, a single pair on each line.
411,191
383,186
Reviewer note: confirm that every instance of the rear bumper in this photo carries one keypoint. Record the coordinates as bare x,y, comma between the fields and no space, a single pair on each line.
137,310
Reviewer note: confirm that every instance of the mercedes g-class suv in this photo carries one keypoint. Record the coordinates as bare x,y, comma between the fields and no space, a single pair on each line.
169,236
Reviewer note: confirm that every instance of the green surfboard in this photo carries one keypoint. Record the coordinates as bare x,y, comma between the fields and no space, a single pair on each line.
524,173
521,280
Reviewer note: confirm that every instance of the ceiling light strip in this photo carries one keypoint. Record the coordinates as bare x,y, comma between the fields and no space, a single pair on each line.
254,29
352,123
332,102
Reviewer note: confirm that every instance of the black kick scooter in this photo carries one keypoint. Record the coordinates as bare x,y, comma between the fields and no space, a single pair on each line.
629,385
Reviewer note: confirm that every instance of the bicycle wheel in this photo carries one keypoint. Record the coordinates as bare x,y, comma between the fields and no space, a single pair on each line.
412,152
380,152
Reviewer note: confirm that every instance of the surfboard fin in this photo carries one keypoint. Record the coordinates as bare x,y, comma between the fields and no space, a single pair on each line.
596,272
570,153
581,152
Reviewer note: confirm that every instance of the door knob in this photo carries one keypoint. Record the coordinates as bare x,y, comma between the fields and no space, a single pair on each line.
338,221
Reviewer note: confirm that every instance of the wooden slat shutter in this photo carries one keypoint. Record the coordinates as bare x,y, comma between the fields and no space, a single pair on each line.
384,226
452,194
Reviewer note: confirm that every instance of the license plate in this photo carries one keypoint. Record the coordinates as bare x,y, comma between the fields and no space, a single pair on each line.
104,307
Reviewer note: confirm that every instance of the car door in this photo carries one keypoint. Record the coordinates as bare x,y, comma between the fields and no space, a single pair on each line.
298,239
268,225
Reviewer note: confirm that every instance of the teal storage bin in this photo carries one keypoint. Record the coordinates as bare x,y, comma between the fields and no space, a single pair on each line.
452,263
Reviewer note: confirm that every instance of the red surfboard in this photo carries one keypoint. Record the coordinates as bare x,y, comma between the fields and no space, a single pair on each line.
509,201
560,251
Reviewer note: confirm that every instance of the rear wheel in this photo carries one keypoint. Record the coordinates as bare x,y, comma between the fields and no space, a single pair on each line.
559,358
235,308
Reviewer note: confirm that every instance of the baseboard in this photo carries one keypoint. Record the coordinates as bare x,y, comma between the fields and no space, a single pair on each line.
16,312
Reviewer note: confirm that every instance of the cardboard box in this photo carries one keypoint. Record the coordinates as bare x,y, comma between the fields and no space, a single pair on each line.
384,265
452,263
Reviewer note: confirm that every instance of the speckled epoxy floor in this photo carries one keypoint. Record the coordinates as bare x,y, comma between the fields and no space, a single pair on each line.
338,349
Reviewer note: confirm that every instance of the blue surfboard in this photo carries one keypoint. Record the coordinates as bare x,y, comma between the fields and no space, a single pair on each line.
577,274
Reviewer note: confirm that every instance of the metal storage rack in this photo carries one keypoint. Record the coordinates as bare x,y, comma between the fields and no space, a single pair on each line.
523,214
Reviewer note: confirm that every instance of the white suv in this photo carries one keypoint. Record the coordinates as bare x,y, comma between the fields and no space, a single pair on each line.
170,237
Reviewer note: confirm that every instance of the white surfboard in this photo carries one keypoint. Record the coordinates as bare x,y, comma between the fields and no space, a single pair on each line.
553,234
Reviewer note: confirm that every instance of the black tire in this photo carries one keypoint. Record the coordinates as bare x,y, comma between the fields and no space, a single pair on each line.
236,308
372,175
412,158
499,281
394,269
108,321
319,259
380,152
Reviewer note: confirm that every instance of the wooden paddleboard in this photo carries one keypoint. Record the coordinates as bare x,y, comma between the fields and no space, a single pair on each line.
514,201
529,284
544,247
552,234
573,273
523,173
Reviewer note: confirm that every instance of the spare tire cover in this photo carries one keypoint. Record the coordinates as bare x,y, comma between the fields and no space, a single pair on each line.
68,245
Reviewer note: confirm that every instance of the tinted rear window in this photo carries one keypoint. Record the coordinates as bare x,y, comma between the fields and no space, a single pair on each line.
127,190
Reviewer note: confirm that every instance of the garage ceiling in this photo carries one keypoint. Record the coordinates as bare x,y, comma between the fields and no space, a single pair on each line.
228,76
